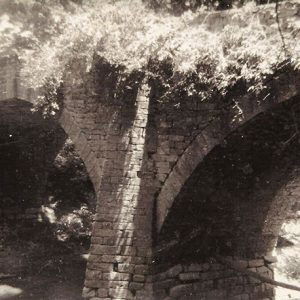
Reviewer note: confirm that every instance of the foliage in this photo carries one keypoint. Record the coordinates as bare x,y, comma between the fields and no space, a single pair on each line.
69,185
291,266
180,6
72,197
288,257
76,224
199,62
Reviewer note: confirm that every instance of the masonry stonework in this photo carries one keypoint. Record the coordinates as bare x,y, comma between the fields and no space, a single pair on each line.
213,281
139,154
134,146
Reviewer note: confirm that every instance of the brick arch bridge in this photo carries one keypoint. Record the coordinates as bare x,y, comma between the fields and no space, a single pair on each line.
140,154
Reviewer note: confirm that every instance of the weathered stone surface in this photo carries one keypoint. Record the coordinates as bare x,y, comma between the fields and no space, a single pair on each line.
141,269
256,263
136,286
164,284
173,272
138,151
189,276
181,290
102,293
196,267
139,278
270,259
88,292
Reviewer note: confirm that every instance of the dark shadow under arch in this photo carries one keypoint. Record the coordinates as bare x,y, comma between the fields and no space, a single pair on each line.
238,196
31,189
282,87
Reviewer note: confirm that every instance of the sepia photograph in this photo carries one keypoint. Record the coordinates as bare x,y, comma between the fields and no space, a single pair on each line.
150,149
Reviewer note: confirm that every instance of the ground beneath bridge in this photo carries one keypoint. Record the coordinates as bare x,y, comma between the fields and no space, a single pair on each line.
47,273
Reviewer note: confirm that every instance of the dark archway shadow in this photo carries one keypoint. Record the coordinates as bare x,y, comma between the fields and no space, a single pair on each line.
47,204
233,200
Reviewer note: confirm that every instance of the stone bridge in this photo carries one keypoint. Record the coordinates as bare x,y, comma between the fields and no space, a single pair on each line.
177,185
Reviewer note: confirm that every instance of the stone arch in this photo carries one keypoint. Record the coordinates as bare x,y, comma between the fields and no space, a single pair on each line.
18,112
242,190
65,121
31,150
284,87
233,206
82,145
284,191
14,88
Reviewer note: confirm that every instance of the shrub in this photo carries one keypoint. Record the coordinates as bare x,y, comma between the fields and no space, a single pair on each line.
130,34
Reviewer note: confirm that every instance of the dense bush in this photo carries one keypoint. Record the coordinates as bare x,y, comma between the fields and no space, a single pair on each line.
200,63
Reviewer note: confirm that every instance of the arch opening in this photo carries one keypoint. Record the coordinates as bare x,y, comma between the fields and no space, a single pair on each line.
237,199
227,181
47,206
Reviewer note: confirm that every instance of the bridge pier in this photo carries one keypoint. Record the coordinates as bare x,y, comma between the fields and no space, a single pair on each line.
120,251
116,158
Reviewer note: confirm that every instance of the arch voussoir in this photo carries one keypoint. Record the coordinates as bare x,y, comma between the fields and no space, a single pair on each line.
212,136
80,142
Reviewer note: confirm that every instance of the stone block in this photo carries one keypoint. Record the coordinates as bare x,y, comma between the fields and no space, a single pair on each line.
196,267
118,284
88,292
256,263
174,271
159,277
120,293
91,283
126,250
102,293
254,280
93,274
189,276
103,249
144,295
264,271
115,276
270,259
215,295
181,290
135,286
211,275
164,284
141,269
236,290
241,263
125,268
139,278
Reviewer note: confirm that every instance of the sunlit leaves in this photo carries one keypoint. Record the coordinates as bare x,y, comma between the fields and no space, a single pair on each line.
129,34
